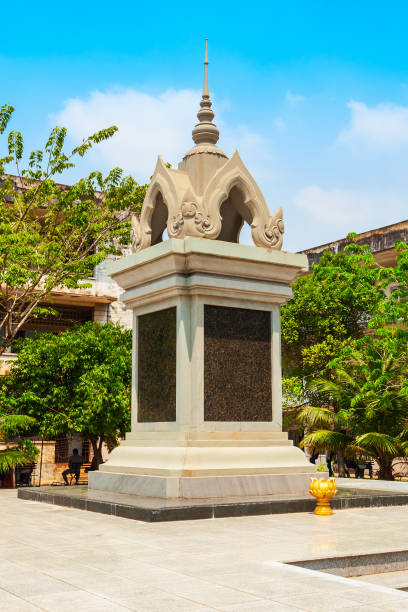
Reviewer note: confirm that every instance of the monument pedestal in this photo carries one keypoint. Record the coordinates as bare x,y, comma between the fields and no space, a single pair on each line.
206,397
205,465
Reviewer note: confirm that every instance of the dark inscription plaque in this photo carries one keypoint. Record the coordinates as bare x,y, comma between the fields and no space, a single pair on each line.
157,366
237,364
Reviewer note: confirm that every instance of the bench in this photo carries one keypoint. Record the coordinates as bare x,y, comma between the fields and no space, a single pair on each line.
83,476
359,468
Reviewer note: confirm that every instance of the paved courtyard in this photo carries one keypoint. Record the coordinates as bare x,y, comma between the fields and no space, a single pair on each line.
60,559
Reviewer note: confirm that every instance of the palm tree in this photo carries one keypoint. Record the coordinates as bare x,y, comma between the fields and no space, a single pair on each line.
21,453
369,390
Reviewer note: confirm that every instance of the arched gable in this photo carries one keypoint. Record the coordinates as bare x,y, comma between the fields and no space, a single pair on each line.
172,199
266,230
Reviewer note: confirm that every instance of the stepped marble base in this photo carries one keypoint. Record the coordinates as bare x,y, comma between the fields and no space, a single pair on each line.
195,465
201,487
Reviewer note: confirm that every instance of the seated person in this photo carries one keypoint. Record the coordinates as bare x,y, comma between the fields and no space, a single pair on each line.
74,462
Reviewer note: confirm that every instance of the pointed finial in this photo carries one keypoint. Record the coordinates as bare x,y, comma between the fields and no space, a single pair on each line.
205,131
205,87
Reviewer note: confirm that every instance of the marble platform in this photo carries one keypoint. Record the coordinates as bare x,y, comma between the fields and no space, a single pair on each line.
153,509
250,485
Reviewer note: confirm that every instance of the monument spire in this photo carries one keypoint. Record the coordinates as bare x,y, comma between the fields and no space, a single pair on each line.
205,132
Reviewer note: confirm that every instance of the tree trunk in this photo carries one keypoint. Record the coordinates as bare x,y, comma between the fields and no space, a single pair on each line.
385,471
97,451
340,464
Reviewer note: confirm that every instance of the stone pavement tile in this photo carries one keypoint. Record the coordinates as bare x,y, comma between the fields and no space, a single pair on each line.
390,579
11,603
263,605
45,561
208,593
185,584
80,601
363,608
111,587
165,602
69,573
6,567
139,573
394,606
376,596
322,601
26,584
9,547
222,566
241,580
280,588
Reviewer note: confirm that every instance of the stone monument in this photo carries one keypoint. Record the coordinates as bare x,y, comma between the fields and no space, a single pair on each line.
206,393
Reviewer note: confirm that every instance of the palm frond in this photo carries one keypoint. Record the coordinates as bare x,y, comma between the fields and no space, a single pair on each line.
330,389
403,436
325,439
313,416
353,449
344,378
378,443
13,457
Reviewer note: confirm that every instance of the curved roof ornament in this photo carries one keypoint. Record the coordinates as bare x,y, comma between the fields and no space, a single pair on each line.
208,195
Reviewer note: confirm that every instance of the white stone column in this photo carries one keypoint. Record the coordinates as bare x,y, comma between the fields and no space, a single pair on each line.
276,368
135,362
183,366
197,363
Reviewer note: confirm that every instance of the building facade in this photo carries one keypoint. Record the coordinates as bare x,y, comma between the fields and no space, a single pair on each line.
381,242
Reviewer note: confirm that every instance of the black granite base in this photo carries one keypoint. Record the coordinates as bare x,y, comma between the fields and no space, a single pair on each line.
155,510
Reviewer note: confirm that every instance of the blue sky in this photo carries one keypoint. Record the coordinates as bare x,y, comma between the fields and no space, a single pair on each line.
313,94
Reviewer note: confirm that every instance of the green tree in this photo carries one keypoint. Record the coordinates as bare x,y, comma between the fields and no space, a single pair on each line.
53,235
331,305
20,452
77,381
368,399
394,310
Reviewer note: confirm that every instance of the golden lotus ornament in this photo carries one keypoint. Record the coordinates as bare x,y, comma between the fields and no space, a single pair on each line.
323,490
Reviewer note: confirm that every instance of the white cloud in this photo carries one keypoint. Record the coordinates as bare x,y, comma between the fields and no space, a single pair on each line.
382,126
148,126
153,125
161,124
279,123
293,99
351,210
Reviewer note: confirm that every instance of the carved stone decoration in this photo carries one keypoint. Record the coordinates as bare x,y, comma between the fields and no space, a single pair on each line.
208,196
192,214
180,225
135,234
274,230
189,209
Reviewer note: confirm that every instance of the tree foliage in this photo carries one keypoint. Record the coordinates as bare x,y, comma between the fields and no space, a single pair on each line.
22,451
345,345
52,235
368,395
78,381
331,305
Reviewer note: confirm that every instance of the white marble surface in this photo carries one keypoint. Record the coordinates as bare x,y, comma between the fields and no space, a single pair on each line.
198,488
58,559
372,484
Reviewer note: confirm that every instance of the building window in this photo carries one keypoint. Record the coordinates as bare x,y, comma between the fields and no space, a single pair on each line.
61,449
